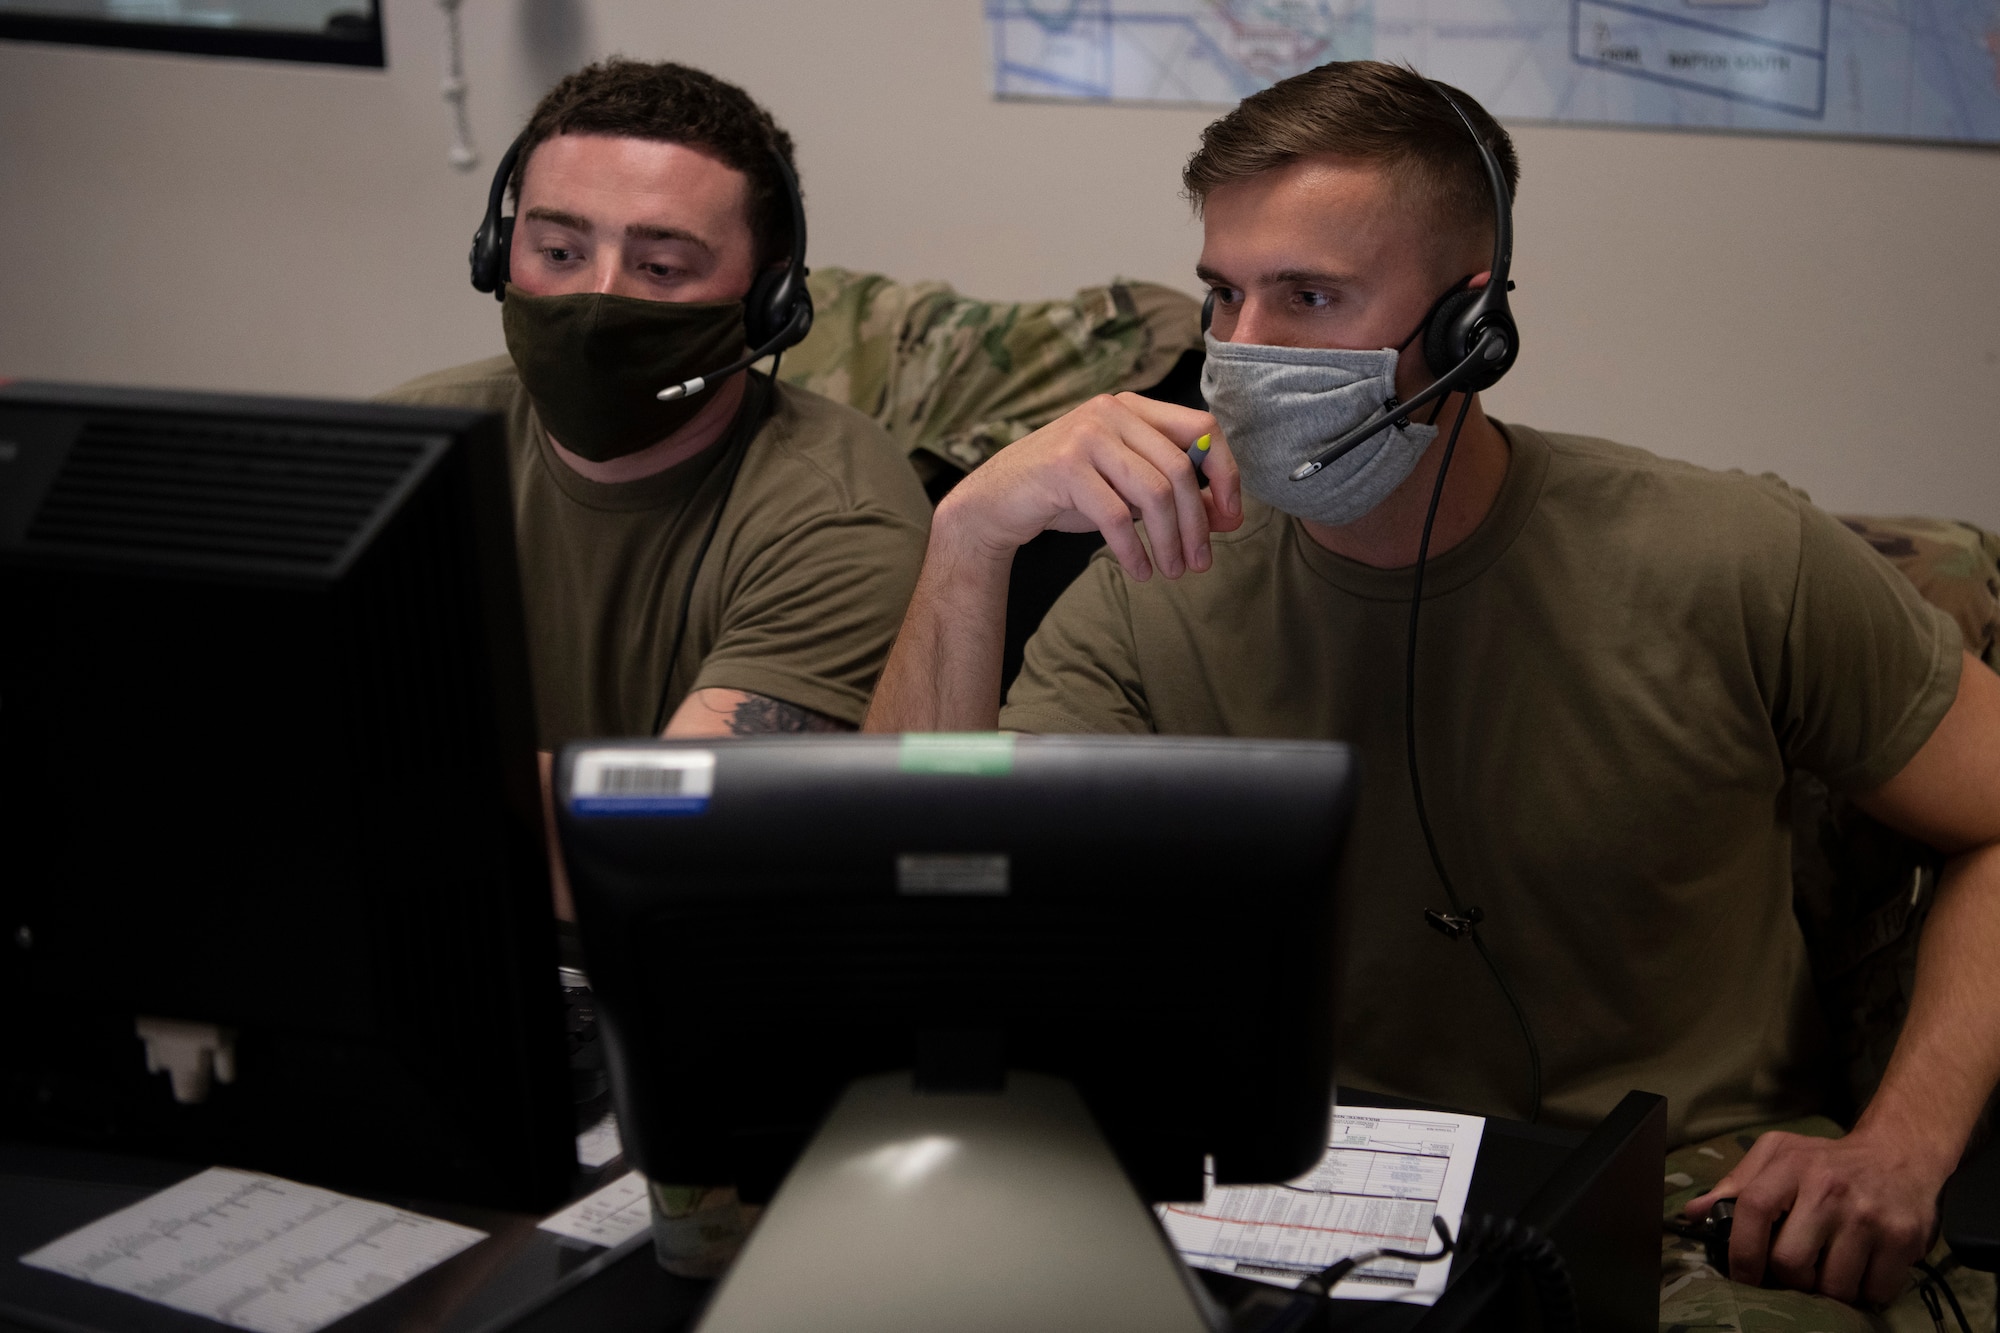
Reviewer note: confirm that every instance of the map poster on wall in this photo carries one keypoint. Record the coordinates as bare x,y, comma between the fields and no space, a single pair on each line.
1895,69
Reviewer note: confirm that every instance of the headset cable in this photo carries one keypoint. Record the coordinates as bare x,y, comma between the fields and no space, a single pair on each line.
1461,921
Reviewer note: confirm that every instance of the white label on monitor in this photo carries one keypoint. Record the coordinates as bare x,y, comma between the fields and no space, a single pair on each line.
642,782
950,873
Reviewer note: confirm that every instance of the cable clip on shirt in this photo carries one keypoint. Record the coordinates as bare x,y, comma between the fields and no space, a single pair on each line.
1453,925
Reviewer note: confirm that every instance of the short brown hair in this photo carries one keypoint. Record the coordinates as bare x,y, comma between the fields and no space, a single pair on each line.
1365,109
672,103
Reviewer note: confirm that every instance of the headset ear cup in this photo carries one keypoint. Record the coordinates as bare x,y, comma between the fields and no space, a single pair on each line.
482,258
773,305
1447,341
1208,310
777,303
802,312
492,248
766,308
503,258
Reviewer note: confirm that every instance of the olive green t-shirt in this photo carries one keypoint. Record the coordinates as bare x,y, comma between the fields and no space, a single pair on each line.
798,598
1617,672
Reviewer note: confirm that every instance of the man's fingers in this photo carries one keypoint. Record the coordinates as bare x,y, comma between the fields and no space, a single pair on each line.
1190,514
1697,1207
1888,1273
1133,475
1106,509
1795,1251
1846,1265
1899,1243
1132,450
1225,486
1758,1208
1182,425
1222,502
1764,1191
1747,1170
1749,1249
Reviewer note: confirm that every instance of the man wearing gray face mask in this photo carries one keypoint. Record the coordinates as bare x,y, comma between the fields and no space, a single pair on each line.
1625,660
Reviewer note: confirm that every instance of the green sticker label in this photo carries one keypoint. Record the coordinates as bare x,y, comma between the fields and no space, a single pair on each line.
980,753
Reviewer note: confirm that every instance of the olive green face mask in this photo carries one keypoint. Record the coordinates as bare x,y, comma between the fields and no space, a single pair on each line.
593,363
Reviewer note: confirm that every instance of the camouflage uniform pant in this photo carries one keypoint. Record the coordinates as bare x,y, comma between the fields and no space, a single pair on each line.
1694,1298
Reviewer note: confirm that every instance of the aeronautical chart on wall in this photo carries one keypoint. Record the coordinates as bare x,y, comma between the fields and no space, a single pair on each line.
1901,69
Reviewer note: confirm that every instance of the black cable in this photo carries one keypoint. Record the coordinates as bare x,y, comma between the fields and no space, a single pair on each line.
1512,1241
734,464
1506,1240
1315,1290
1928,1291
1937,1279
1462,921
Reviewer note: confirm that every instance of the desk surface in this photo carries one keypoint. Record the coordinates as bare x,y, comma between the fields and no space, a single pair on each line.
45,1193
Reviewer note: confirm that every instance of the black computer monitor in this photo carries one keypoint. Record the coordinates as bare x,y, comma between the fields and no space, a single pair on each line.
765,919
266,763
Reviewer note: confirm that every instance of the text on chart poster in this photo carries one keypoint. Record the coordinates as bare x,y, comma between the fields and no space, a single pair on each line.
1898,69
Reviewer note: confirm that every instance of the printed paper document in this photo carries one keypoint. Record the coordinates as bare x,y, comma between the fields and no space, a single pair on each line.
254,1251
1384,1175
611,1216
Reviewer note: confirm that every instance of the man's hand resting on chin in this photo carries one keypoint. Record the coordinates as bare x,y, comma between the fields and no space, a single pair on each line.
1109,465
1103,467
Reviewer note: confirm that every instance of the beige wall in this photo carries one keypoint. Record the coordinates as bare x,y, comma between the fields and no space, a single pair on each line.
1825,310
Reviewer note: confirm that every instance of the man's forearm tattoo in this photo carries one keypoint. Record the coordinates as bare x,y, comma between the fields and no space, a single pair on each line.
759,716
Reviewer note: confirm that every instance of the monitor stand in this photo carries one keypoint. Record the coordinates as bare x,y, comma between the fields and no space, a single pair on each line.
970,1211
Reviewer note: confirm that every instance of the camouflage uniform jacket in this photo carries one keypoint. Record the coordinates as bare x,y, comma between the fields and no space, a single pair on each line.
954,380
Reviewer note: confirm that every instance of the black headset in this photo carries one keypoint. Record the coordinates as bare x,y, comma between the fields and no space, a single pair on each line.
1470,330
777,312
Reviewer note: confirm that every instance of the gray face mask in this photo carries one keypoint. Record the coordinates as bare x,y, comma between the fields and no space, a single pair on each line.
1278,406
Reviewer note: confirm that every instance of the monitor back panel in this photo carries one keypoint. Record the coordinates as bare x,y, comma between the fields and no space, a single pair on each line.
265,762
1148,918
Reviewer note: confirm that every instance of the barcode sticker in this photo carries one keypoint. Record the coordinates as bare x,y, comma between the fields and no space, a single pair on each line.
642,782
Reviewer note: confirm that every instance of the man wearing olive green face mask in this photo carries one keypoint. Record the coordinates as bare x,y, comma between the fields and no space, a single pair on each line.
647,201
